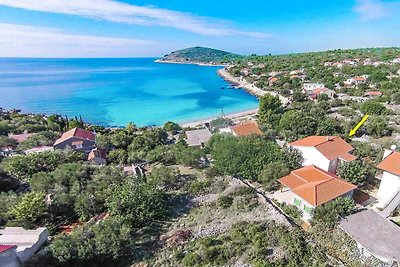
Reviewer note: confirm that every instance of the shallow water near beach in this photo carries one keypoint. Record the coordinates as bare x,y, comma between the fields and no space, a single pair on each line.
113,92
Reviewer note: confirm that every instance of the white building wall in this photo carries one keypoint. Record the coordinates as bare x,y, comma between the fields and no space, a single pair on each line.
390,184
226,130
307,208
313,157
312,86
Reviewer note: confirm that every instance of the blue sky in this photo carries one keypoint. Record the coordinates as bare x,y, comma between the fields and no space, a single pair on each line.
142,28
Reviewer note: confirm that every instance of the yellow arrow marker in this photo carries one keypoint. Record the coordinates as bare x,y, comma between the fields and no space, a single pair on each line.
353,132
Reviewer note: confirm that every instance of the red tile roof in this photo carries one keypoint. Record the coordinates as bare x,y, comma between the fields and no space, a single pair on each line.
391,163
330,146
247,128
358,78
4,248
373,93
315,185
78,133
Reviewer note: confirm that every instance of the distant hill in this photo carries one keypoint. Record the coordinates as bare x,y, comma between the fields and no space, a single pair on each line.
199,55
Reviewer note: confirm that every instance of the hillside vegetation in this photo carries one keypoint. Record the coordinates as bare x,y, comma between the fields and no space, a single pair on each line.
199,55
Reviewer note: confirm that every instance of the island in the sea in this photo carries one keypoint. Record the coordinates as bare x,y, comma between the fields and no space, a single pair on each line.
199,55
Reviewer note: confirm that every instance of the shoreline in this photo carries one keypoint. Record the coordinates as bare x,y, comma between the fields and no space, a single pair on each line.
248,87
190,63
232,116
241,84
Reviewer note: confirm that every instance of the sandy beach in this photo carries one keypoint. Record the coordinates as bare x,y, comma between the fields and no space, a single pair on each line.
240,84
232,116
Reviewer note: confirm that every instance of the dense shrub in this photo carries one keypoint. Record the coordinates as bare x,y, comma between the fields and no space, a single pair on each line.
330,213
225,201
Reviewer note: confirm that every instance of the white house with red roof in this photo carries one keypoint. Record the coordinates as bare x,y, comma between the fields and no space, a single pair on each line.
310,187
356,80
324,152
245,128
389,188
309,87
78,139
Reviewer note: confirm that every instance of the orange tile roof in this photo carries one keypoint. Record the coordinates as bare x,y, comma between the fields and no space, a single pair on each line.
247,128
391,163
330,146
315,185
348,157
373,93
78,133
358,78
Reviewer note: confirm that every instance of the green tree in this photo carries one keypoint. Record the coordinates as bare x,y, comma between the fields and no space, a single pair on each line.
377,126
120,140
24,166
31,209
95,243
354,171
117,156
329,126
170,126
330,213
272,172
5,141
7,200
373,107
243,157
163,154
90,200
298,124
4,128
188,156
140,203
165,177
270,108
299,96
293,158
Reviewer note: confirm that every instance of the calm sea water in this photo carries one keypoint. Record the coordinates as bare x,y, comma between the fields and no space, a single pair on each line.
113,92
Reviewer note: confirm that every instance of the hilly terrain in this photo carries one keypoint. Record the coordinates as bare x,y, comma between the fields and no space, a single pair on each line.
199,55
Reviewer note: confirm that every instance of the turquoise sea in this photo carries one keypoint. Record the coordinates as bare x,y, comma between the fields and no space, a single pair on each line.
113,92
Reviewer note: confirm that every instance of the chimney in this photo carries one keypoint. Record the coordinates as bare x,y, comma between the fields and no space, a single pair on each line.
330,138
387,152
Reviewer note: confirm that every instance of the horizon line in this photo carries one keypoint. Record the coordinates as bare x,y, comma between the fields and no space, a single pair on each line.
157,57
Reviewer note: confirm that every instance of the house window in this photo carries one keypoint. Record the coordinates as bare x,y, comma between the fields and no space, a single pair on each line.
307,209
297,202
78,146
